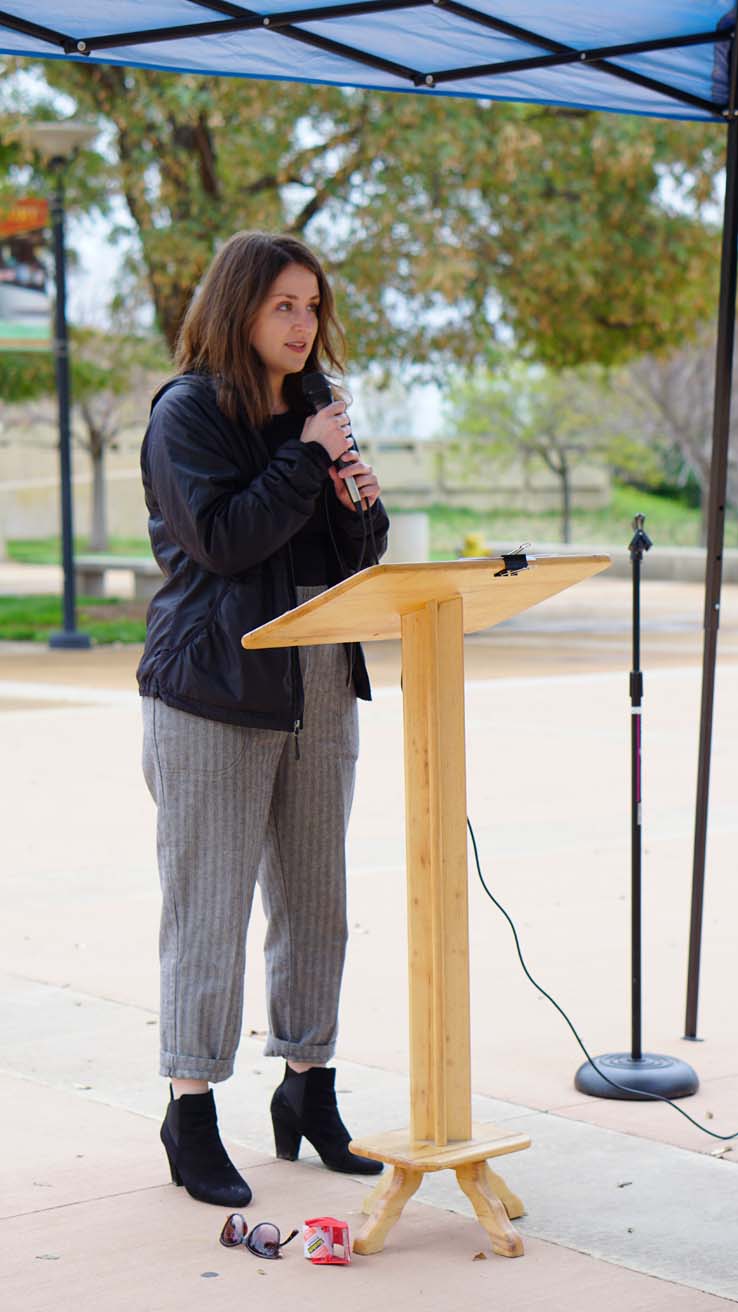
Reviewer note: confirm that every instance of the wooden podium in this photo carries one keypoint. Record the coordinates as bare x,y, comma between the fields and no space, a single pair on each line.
430,607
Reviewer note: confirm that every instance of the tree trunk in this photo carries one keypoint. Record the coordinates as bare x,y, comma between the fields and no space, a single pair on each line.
99,521
565,501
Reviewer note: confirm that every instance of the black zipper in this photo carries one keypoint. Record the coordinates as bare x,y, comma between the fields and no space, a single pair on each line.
297,688
298,692
348,647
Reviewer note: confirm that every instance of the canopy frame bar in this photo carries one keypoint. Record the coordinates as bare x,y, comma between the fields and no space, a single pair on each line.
246,20
27,28
585,56
350,52
724,352
558,47
239,18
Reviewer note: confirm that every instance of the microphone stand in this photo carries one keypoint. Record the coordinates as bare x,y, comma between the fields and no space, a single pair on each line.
644,1074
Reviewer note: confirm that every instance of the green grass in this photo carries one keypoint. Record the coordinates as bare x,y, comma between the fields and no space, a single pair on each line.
47,551
669,523
34,619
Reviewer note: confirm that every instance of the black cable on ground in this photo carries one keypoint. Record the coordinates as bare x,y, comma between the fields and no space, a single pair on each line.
655,1097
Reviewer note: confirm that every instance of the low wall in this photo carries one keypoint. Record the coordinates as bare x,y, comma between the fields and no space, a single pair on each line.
31,509
417,474
409,545
414,475
679,564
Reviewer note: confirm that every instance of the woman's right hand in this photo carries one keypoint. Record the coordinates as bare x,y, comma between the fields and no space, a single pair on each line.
331,427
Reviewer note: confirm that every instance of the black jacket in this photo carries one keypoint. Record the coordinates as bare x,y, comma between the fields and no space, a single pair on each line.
221,516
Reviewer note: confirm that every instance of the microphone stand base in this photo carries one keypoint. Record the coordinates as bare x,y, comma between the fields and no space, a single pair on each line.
652,1073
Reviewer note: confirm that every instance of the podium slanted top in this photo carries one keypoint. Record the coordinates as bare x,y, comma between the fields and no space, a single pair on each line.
368,606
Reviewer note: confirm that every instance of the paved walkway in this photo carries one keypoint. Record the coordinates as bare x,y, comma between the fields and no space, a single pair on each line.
625,1201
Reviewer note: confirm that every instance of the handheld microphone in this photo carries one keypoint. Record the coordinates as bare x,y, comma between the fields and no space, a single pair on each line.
317,390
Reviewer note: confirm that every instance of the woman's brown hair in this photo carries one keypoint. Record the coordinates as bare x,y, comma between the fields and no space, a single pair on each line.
215,336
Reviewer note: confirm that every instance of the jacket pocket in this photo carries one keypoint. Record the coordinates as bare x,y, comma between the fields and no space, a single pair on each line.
197,631
197,747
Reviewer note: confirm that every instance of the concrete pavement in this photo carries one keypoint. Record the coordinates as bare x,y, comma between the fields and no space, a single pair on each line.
624,1201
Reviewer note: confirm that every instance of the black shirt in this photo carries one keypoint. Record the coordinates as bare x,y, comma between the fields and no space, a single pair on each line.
313,555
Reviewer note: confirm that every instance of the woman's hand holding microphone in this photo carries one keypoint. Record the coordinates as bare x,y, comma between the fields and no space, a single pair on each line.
331,427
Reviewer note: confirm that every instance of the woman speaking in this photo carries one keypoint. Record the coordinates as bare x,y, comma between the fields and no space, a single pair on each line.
250,756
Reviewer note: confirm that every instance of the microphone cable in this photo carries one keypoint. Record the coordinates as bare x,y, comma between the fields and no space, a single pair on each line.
367,514
624,1088
366,519
367,523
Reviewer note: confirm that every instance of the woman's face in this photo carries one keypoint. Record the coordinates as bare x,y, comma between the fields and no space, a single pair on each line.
286,323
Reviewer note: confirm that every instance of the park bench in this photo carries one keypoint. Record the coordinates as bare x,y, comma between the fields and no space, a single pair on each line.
90,573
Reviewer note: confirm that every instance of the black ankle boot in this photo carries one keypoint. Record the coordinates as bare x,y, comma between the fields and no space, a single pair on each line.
197,1158
305,1106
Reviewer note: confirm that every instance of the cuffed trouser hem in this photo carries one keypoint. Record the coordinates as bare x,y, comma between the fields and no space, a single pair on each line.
316,1052
194,1068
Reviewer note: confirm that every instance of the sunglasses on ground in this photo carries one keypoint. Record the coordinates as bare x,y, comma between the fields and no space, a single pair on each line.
264,1239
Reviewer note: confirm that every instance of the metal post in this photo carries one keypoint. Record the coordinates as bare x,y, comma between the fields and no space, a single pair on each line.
715,536
714,568
69,637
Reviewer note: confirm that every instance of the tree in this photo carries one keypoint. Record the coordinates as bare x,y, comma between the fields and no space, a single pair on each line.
443,221
667,402
553,418
123,373
113,376
24,375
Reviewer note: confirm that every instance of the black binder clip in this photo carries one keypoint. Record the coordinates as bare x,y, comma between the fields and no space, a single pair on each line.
514,562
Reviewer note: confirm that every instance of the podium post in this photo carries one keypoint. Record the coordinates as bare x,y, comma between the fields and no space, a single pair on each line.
435,829
430,607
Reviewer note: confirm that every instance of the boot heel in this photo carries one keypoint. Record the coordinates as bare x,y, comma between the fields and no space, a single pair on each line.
286,1140
176,1177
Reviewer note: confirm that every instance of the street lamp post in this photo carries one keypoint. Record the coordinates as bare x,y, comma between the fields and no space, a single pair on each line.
56,142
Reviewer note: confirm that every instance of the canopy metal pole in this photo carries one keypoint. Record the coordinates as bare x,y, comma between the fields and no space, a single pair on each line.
715,534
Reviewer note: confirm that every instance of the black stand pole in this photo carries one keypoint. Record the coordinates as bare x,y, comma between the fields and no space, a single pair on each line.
714,564
70,637
648,1073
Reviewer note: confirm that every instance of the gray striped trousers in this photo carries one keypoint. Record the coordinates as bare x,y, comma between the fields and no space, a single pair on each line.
234,806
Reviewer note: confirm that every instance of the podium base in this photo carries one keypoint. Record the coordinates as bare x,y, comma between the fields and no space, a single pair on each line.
652,1073
493,1202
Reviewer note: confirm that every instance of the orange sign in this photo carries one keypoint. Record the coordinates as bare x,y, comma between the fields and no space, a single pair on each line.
26,214
25,309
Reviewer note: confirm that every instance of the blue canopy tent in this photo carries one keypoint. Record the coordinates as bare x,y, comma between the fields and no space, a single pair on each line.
662,58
